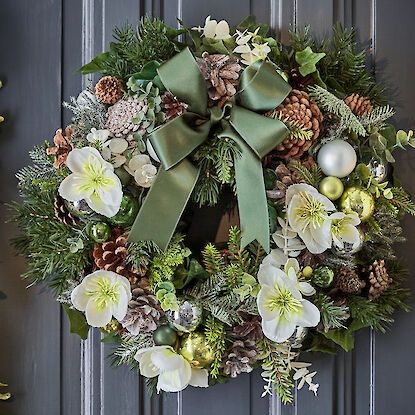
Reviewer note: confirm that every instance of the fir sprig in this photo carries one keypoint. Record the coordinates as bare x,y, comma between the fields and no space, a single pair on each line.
312,177
215,336
332,315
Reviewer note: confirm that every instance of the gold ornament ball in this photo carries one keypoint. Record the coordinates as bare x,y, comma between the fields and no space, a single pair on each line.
359,201
331,187
195,349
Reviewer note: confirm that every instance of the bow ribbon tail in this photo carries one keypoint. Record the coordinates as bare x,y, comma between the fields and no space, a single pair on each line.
253,208
164,204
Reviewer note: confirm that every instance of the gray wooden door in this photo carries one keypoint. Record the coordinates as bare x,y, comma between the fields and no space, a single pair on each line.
42,43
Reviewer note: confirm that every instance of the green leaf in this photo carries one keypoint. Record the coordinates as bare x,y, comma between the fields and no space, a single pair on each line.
95,65
320,344
172,32
113,337
307,60
362,171
78,322
214,46
344,337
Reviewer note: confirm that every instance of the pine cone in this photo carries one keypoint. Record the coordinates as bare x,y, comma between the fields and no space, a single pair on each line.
108,90
221,73
112,256
120,117
378,278
62,213
240,358
359,105
171,106
348,281
298,81
299,109
250,328
143,312
307,259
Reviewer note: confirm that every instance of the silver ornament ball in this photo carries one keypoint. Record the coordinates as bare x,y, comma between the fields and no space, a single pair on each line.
188,316
379,169
337,158
79,208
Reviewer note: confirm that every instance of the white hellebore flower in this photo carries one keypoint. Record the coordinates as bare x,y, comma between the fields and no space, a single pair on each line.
92,179
102,295
143,171
308,215
174,372
281,304
214,30
343,229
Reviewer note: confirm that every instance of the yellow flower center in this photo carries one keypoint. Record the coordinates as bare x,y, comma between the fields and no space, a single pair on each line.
106,293
312,212
283,301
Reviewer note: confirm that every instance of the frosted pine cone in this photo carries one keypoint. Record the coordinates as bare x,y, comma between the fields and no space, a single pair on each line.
171,106
299,110
120,117
359,105
240,359
108,90
143,312
221,73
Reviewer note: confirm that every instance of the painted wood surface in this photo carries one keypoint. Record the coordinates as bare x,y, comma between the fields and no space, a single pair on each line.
49,371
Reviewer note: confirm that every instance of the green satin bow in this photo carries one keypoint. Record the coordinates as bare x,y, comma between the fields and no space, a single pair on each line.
261,89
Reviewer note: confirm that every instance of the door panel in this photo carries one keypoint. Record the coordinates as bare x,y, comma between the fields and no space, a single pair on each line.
47,368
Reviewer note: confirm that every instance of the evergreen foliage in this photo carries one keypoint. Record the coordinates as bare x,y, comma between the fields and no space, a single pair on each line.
215,336
332,315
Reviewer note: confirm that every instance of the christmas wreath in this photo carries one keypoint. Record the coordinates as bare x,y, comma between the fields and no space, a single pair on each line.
297,134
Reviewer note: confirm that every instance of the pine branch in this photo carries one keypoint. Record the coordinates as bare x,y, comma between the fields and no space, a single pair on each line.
402,200
310,177
338,107
128,348
215,336
212,259
332,315
376,117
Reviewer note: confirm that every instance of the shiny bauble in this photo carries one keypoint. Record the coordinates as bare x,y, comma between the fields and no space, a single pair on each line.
165,335
80,208
378,169
331,187
100,232
123,175
323,277
127,213
337,158
187,317
349,249
357,200
196,350
297,338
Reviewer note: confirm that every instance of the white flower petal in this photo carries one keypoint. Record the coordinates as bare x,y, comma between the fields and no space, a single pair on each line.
74,188
147,367
199,378
309,315
79,297
278,330
120,310
306,288
97,316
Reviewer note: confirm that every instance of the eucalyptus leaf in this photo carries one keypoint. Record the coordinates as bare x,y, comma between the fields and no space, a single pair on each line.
77,320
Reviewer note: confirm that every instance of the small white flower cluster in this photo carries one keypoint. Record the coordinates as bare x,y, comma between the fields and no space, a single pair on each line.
249,49
303,375
214,30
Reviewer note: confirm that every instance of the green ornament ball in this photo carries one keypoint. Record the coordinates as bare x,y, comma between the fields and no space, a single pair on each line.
165,335
123,175
100,232
331,187
323,277
127,213
196,350
359,201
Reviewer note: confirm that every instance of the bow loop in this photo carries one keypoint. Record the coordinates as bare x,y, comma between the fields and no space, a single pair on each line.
261,89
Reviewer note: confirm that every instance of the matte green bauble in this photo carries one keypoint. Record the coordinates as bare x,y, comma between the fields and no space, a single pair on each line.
100,232
187,317
331,187
127,213
196,350
165,335
359,201
123,175
80,208
323,277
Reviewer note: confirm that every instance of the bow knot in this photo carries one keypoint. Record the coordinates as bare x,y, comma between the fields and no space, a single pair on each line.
261,89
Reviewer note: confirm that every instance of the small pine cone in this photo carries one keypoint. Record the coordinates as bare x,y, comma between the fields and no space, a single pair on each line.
112,256
298,81
348,281
378,278
250,328
359,105
298,108
120,117
108,90
171,106
62,213
221,73
242,355
143,312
